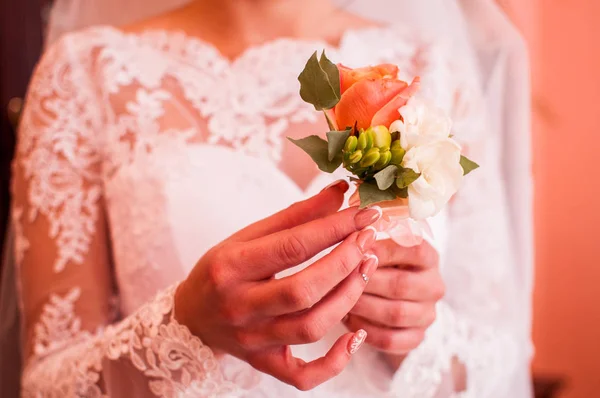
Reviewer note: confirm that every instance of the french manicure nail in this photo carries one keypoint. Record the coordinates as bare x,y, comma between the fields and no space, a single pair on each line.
368,266
341,184
366,238
357,340
368,216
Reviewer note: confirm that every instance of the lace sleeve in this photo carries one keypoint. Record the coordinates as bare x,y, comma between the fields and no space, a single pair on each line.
479,345
73,344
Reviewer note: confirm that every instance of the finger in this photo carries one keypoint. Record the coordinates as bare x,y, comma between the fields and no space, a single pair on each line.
306,288
326,202
420,256
394,313
279,362
400,284
288,248
312,325
393,341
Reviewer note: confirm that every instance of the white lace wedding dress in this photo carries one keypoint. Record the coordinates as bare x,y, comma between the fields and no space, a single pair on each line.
138,152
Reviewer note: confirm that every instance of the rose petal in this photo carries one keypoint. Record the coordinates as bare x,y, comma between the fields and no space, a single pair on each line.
390,111
349,76
363,99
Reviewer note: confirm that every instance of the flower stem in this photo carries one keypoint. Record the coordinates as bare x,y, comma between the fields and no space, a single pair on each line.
329,121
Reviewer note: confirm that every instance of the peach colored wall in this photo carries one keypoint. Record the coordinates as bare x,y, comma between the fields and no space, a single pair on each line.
564,38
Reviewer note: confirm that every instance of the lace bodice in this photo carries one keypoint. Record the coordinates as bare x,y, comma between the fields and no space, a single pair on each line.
139,152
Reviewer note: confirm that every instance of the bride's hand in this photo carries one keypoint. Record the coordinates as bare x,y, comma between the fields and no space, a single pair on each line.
232,301
399,302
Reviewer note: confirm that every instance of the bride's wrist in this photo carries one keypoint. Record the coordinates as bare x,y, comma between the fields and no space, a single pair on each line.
181,311
184,316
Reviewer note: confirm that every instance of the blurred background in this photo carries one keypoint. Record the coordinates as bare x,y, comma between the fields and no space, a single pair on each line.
563,39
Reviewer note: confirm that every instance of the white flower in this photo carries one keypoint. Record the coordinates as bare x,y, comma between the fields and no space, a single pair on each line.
425,135
438,162
422,123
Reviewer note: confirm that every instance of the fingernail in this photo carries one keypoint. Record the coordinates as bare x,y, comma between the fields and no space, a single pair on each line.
357,340
340,184
368,266
366,238
368,216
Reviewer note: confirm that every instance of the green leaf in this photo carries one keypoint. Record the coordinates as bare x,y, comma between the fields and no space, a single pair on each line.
386,177
336,141
320,83
369,193
317,149
467,164
406,177
331,69
402,193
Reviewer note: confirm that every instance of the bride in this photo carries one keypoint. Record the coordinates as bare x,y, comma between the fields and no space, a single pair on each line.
151,171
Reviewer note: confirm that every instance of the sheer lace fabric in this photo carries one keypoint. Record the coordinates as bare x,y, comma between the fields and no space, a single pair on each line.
139,152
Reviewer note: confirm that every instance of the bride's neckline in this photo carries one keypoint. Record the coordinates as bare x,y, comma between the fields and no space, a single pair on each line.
318,44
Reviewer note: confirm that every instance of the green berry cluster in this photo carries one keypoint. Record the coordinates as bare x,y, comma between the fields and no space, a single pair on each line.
371,151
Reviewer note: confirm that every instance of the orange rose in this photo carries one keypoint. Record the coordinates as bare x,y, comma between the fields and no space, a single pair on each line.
371,96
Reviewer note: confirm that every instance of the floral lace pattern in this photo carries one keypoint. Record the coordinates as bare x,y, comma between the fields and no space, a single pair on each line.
175,362
58,325
21,242
55,147
118,129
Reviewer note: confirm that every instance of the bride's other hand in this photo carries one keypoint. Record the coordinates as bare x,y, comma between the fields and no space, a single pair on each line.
399,302
232,301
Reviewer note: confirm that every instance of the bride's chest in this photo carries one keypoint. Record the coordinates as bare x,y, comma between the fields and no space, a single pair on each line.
195,148
181,174
168,96
170,197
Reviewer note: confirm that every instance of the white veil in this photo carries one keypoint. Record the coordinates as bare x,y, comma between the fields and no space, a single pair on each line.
476,26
